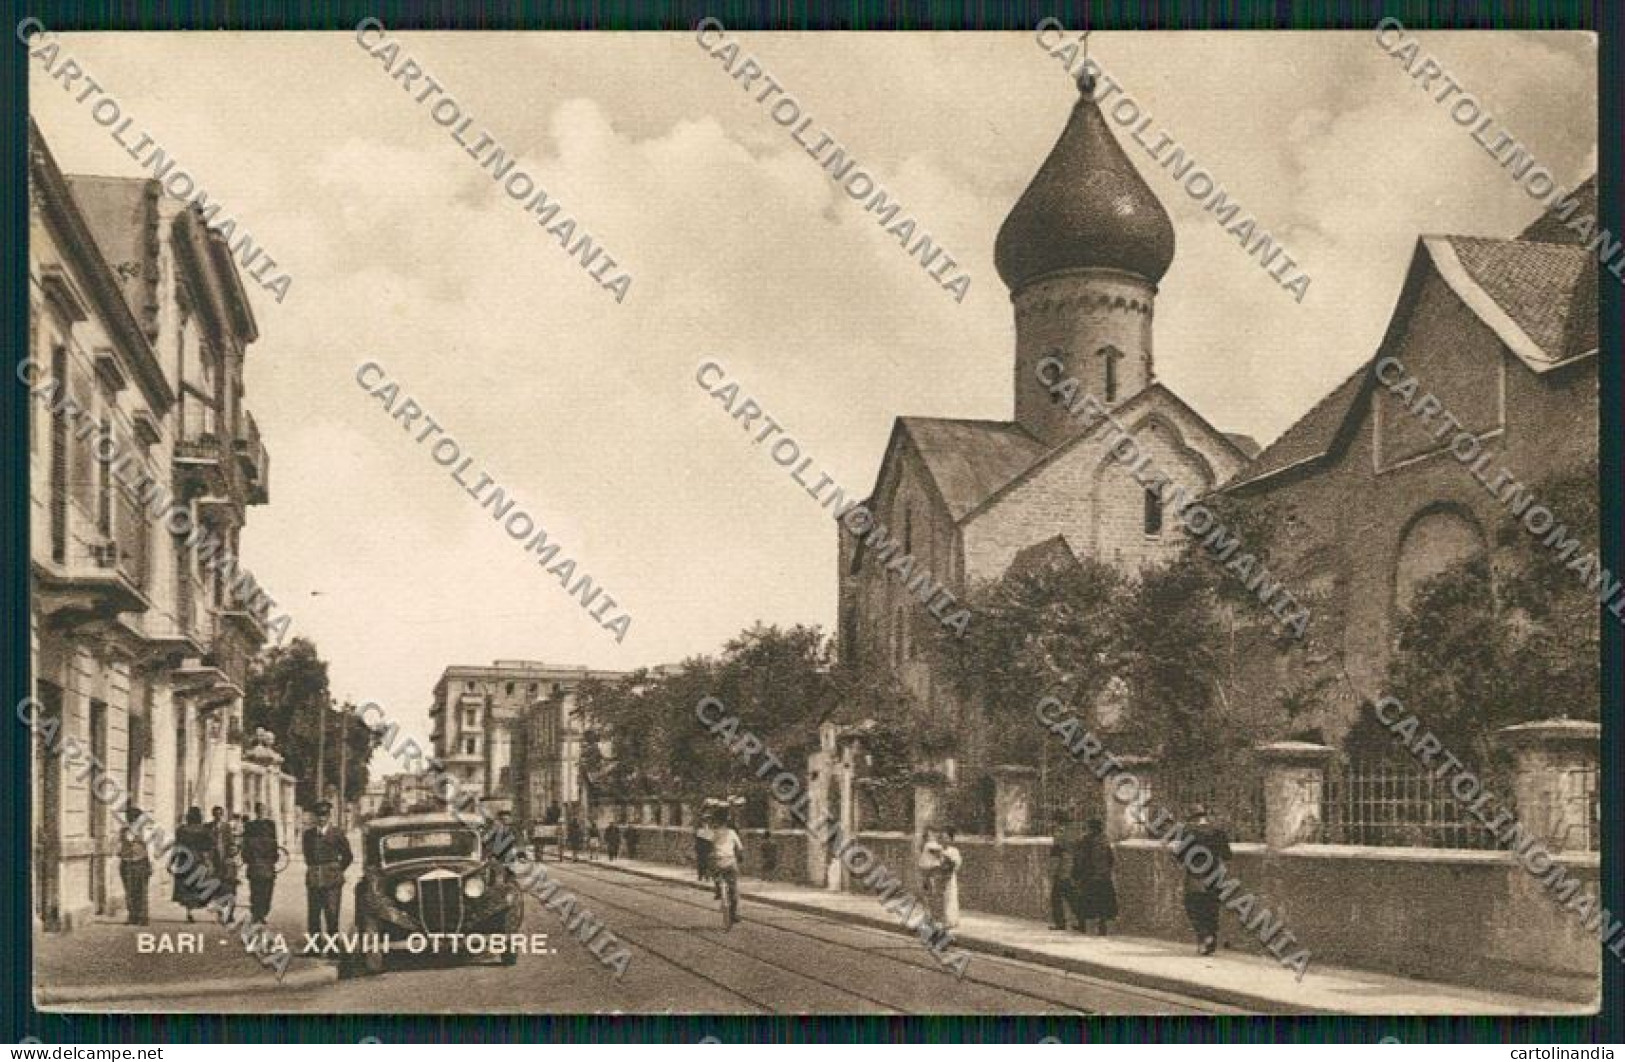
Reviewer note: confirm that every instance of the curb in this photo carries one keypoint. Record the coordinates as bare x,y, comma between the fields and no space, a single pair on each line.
1194,990
310,977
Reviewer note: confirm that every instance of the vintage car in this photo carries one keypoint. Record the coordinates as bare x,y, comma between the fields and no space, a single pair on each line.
427,874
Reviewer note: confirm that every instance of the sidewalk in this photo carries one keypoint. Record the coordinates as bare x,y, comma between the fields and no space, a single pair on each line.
1249,981
100,962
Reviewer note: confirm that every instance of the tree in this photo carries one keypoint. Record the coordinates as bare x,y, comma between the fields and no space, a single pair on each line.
776,682
287,693
1168,639
1044,628
1497,640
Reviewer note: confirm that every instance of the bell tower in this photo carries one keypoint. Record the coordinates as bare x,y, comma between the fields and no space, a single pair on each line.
1082,252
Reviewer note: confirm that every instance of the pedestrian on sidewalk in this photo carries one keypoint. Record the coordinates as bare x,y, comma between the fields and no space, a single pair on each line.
224,843
327,857
134,869
1201,902
929,864
702,845
948,875
770,852
196,841
572,834
1062,888
594,841
260,854
612,840
1092,878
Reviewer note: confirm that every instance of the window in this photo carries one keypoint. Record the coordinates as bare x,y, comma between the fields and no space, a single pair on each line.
471,717
471,746
531,689
59,458
104,481
507,689
1153,512
469,686
1112,356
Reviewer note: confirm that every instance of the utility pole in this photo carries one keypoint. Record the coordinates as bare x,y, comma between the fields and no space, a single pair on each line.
344,763
321,751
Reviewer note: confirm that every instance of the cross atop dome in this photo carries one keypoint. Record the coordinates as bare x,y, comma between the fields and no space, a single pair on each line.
1086,208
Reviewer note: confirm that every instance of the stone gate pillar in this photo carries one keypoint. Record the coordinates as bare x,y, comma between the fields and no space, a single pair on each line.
1015,801
1294,790
1555,779
1127,797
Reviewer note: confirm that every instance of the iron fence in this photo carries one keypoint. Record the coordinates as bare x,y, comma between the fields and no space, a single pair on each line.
1232,796
1394,806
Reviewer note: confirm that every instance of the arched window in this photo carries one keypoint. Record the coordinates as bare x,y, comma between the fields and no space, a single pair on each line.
1112,356
1436,539
1153,512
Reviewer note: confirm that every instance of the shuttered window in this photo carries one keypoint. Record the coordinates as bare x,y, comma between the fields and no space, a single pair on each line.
59,458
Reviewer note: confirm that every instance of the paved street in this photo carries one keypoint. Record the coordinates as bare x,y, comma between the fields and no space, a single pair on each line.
775,961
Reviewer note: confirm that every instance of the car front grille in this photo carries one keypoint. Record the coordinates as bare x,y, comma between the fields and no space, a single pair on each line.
440,902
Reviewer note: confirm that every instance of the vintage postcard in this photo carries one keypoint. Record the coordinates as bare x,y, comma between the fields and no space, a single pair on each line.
725,522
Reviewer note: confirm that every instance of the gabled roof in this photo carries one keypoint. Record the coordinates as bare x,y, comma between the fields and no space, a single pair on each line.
1533,292
1540,299
1554,226
1156,392
1311,436
968,460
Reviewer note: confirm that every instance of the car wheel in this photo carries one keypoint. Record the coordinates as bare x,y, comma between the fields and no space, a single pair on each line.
371,961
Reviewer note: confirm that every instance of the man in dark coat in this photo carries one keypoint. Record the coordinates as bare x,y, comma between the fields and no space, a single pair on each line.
260,854
572,837
192,863
1062,889
612,840
1201,901
1092,879
134,868
327,857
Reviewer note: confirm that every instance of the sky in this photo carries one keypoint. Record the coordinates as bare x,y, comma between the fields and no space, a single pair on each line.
741,250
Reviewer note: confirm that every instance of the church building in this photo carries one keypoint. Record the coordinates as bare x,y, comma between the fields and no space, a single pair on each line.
1082,253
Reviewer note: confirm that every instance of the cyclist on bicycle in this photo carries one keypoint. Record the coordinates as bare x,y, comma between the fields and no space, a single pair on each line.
726,851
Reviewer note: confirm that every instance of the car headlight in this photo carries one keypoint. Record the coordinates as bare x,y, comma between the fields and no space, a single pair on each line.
474,888
405,892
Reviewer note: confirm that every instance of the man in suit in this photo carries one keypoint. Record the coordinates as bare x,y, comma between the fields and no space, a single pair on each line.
327,857
1201,899
260,853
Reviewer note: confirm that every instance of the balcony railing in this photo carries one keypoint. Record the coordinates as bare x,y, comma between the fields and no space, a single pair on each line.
255,461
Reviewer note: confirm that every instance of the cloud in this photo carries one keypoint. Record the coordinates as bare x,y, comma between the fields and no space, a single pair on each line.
743,249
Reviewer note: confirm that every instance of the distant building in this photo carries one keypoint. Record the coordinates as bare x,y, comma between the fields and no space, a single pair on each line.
371,800
411,792
510,734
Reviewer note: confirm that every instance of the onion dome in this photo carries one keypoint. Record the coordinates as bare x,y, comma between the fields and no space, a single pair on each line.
1087,208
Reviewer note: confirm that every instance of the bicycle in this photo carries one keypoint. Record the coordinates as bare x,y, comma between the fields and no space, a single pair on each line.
727,897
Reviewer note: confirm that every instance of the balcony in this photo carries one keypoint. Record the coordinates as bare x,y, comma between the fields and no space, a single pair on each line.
98,582
254,461
246,616
201,454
